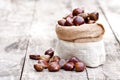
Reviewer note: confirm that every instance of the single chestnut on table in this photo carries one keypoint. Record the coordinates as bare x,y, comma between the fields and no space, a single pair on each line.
53,67
34,57
49,52
80,66
69,66
38,67
43,63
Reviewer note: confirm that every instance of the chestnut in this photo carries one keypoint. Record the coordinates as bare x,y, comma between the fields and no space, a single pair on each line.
53,67
77,11
38,67
69,66
49,52
45,57
74,59
78,20
44,63
94,16
69,21
85,17
80,66
62,62
70,15
55,59
62,22
34,57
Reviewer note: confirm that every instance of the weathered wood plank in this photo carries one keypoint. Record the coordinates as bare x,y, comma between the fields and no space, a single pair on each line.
15,19
43,37
112,13
12,55
110,70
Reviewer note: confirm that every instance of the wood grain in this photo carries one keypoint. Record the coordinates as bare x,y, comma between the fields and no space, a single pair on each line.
43,37
12,57
112,15
110,70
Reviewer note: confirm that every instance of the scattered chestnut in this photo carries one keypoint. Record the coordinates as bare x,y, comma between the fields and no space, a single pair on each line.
74,59
69,66
43,63
49,52
53,67
69,21
94,16
45,57
77,11
62,62
34,57
62,22
55,59
80,66
78,20
38,67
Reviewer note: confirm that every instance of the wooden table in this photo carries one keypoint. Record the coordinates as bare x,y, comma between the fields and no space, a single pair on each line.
28,26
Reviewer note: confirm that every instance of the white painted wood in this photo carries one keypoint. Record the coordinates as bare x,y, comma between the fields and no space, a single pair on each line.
112,13
12,53
110,70
15,19
43,37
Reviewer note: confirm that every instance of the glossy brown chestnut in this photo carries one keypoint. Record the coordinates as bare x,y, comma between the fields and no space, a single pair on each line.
94,16
69,66
73,59
55,59
77,11
43,63
79,67
45,57
62,62
62,22
78,20
69,21
49,52
34,57
38,67
53,67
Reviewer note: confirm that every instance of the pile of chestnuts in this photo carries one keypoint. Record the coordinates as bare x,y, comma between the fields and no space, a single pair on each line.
55,63
79,17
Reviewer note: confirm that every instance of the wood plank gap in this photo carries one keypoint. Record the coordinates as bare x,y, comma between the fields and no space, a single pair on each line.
24,60
33,16
99,6
87,74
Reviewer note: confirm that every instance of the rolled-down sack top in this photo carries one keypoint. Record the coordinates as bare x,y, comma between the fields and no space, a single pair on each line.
84,41
82,33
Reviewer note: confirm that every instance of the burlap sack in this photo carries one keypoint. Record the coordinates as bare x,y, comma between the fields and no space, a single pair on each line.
84,41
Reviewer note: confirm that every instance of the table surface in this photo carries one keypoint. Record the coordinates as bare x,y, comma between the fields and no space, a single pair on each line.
28,27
